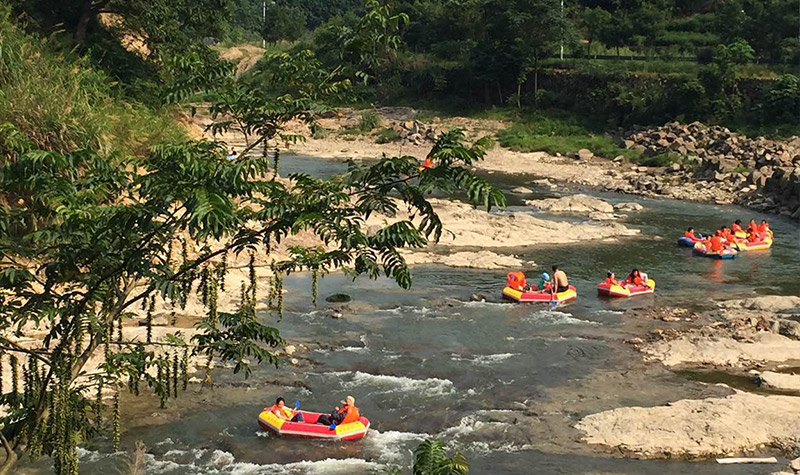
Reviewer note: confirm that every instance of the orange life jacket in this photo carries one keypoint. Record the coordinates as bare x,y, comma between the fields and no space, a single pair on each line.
611,281
275,409
635,280
516,280
716,243
736,228
351,414
689,235
763,228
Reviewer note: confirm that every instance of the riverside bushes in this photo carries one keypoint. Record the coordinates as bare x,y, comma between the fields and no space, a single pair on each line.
57,100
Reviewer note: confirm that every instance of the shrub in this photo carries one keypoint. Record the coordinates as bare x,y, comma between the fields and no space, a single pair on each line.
370,120
386,135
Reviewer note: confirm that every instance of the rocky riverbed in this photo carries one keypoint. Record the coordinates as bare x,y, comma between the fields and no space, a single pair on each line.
750,339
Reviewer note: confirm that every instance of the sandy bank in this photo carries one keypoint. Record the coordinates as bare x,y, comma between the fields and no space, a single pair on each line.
706,427
466,259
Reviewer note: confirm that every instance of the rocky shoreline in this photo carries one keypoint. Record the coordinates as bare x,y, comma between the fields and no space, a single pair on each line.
706,163
751,339
715,164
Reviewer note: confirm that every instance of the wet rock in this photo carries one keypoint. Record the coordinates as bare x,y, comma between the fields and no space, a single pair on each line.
477,298
290,350
790,328
572,204
522,190
338,298
336,315
631,206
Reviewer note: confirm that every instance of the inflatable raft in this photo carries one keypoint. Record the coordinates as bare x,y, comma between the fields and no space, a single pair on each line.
310,430
755,245
609,290
687,242
539,295
726,253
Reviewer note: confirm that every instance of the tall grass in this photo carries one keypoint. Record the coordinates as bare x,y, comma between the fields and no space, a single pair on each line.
63,104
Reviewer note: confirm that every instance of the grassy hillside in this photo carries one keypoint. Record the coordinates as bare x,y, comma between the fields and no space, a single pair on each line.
62,103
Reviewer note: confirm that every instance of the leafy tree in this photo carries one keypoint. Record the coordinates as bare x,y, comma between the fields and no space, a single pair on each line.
283,23
783,100
158,24
594,22
85,237
520,34
368,46
619,32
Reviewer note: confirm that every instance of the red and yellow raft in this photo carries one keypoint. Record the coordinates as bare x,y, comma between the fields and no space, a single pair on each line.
754,245
539,295
612,290
310,430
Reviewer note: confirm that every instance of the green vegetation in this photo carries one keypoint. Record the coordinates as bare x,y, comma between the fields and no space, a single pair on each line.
386,135
54,99
430,458
726,63
559,134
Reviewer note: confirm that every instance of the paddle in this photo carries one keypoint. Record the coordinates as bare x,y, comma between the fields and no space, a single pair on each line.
297,404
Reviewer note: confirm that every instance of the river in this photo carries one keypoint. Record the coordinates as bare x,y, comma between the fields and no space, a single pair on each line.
429,362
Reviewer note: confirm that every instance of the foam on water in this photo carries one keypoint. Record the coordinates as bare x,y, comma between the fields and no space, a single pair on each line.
485,359
220,462
554,317
388,384
393,447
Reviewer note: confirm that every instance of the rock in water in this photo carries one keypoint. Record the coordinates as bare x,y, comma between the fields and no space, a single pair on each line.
338,298
478,298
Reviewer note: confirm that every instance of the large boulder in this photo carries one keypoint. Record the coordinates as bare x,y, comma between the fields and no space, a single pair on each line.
572,204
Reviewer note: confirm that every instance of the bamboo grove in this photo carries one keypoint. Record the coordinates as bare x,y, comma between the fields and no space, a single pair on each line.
88,239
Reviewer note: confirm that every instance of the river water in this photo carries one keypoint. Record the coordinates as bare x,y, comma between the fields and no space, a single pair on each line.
429,362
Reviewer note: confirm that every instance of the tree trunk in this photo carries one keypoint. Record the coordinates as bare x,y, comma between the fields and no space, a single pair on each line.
500,93
83,22
11,459
536,86
519,94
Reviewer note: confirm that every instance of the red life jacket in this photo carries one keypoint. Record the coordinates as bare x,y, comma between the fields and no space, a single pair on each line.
689,235
736,227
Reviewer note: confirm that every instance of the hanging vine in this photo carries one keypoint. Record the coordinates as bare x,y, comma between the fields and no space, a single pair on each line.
149,319
117,421
185,370
14,375
314,286
98,404
175,375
